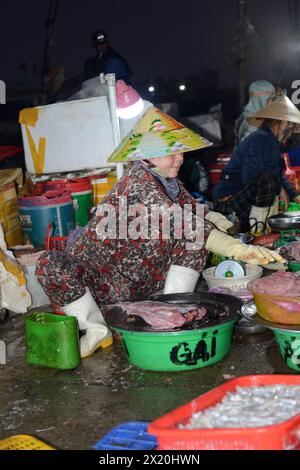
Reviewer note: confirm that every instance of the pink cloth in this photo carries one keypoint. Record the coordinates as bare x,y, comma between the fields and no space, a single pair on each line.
243,294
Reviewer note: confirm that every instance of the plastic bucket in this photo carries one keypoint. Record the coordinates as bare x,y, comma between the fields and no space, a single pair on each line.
101,185
294,266
289,346
215,172
36,212
184,350
52,340
215,169
294,207
81,192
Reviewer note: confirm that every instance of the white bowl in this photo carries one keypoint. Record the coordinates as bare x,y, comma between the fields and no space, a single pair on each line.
252,272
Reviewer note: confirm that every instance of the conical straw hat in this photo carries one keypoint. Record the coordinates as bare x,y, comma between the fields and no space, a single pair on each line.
282,109
157,135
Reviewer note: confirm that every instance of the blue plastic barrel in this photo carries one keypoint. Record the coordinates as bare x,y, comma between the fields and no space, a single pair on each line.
36,212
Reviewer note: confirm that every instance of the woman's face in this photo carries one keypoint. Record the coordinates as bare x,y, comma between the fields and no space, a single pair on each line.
169,165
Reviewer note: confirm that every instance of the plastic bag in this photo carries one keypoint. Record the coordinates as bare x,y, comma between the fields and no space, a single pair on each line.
14,295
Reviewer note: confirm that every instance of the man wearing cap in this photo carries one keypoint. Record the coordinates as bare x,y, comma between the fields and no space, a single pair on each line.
253,178
111,264
107,60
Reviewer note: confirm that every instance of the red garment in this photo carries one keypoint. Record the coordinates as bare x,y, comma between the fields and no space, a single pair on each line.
123,269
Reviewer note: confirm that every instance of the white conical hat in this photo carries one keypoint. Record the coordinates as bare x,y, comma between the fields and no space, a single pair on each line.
282,109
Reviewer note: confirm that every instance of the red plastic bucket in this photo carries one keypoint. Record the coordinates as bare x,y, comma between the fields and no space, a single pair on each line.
215,169
81,192
215,172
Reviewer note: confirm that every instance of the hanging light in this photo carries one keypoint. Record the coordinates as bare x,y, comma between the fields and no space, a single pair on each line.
182,87
151,89
129,102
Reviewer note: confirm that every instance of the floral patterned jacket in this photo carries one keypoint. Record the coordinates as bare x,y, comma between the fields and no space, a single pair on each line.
135,264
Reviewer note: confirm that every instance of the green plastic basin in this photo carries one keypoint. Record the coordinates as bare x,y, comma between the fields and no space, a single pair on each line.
177,351
52,340
289,346
294,266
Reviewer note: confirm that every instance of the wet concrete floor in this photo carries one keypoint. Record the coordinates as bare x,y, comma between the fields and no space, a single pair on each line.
74,409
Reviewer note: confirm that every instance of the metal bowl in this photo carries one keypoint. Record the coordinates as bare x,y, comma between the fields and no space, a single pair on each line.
246,325
284,222
244,237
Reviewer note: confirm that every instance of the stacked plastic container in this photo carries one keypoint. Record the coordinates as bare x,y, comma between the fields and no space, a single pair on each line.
101,185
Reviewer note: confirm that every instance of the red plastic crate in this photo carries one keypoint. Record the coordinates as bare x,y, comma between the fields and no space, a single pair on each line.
54,243
284,436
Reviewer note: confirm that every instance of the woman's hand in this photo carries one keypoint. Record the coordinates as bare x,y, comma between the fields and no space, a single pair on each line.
297,199
284,197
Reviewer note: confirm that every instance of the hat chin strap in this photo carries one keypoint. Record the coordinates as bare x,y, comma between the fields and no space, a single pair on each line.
155,169
149,163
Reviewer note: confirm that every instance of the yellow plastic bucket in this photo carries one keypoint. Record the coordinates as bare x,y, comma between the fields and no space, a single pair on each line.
101,185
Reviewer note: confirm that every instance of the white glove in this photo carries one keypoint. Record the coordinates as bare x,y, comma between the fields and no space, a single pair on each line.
225,245
180,279
219,220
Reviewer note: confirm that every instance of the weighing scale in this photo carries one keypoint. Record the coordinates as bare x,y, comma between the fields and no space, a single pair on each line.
230,269
287,226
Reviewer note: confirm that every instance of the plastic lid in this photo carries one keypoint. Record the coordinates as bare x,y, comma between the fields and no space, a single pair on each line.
49,198
72,185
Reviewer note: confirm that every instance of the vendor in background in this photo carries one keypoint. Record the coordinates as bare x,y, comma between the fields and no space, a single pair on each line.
253,178
260,94
131,260
106,60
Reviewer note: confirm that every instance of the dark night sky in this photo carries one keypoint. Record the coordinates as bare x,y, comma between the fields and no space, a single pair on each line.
168,37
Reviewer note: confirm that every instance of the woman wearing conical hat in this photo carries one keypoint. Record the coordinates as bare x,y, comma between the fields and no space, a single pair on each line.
253,178
148,234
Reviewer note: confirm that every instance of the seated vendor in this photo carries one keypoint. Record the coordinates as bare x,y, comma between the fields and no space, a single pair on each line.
253,178
122,254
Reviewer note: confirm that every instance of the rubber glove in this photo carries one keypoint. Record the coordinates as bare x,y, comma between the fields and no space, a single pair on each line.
225,245
219,220
180,280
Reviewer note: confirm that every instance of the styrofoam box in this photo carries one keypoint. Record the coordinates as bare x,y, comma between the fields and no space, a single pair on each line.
79,135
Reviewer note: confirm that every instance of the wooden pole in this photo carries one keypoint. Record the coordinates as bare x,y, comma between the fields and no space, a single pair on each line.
242,4
48,52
